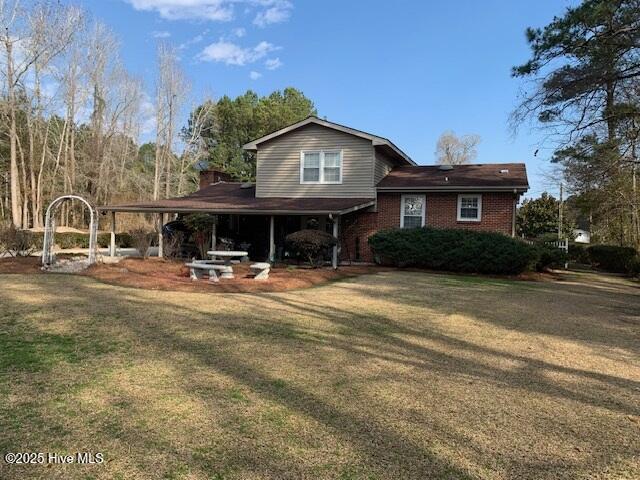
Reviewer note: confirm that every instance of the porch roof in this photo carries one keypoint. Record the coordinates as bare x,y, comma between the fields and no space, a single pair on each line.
237,198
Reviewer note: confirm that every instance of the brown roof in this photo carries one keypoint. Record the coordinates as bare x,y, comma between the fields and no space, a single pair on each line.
467,177
236,198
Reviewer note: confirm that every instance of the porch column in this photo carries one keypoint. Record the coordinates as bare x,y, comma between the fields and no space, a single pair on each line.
160,239
272,244
214,240
112,243
334,260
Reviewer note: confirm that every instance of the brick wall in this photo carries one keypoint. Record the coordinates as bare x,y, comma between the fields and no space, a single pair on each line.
441,212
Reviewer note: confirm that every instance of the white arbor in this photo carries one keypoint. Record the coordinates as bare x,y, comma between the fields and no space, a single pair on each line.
50,229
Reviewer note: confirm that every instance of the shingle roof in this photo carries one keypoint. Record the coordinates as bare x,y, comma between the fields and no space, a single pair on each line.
481,176
237,198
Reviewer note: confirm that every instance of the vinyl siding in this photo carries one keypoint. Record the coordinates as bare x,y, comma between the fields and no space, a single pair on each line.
278,164
383,165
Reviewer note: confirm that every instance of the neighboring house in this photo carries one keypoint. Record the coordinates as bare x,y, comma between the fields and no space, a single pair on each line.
350,183
581,236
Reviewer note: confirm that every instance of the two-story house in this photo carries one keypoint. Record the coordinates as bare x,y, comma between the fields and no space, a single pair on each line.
319,174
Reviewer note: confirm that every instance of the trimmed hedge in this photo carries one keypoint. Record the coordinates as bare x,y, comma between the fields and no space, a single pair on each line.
549,257
81,240
453,250
310,244
578,253
612,258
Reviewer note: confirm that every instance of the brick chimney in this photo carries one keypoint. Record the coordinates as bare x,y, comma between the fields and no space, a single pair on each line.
207,177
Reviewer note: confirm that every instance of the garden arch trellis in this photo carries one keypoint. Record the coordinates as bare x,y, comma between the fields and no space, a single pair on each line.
50,229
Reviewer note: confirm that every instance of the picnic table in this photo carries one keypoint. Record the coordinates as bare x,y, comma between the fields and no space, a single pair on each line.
226,256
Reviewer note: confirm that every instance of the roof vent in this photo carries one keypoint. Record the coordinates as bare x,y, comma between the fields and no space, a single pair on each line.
246,185
504,170
445,168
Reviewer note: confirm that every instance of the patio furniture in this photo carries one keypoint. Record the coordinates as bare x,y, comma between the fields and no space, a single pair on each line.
197,269
260,270
227,256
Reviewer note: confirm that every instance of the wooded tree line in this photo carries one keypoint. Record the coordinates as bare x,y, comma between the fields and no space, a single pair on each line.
585,94
72,115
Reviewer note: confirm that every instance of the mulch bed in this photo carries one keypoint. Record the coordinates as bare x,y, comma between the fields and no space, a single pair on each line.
158,274
20,265
172,275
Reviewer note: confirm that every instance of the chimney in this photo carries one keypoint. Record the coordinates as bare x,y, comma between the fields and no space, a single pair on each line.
207,177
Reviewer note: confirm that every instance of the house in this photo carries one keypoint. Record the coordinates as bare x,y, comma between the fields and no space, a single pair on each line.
319,174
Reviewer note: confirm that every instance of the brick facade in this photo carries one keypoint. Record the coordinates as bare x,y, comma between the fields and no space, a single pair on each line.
441,212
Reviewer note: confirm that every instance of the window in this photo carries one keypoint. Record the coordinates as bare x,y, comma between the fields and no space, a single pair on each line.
412,213
321,166
469,208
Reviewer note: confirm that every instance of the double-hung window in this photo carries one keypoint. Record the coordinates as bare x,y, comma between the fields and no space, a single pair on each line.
412,213
321,166
469,208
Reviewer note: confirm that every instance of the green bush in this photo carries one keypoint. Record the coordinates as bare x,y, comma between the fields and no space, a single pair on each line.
310,244
634,267
612,258
453,250
81,240
578,253
549,257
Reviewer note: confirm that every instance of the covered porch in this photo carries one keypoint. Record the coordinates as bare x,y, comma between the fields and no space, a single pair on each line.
257,225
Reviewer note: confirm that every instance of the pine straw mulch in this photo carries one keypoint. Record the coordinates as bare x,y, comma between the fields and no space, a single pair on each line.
156,274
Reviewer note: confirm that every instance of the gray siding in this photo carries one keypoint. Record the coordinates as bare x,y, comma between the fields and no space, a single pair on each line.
278,164
383,165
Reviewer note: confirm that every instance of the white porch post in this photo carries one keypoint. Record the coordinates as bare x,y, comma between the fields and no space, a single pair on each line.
214,240
112,243
160,239
272,244
334,260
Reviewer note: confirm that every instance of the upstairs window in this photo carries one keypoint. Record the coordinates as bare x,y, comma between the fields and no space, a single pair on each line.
469,208
412,212
321,166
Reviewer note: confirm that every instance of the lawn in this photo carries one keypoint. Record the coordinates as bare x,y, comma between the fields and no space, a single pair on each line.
392,375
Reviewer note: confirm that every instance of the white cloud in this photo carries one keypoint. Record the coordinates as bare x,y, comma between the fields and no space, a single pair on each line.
214,10
239,32
147,115
233,54
253,75
267,11
278,11
273,63
192,41
160,34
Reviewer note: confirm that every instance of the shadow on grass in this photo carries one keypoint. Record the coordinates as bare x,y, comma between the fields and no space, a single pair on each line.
283,322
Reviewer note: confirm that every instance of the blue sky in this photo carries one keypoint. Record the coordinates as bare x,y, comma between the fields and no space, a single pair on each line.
406,70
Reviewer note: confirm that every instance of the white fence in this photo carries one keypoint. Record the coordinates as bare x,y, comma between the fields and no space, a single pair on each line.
562,244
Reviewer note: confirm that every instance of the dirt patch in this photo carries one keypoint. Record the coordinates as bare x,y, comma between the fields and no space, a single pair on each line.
156,274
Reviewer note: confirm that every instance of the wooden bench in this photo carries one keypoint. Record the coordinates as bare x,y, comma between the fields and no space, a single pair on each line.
197,269
260,270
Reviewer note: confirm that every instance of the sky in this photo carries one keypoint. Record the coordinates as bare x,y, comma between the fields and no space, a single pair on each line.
404,70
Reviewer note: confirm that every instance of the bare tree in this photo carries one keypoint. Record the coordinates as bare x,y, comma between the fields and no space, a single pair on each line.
171,89
454,150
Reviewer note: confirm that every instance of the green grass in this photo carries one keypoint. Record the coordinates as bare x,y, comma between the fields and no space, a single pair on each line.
393,375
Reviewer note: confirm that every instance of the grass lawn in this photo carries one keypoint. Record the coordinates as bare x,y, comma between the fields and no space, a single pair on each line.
393,375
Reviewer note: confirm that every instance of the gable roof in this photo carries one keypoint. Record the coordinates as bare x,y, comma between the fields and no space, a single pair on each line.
485,176
375,140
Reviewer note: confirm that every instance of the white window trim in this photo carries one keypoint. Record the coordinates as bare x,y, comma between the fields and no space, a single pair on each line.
470,195
321,180
424,208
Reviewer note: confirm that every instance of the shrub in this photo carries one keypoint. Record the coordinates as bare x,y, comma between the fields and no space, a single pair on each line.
549,257
578,253
15,242
310,244
142,240
634,267
81,240
172,245
453,250
612,258
200,224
